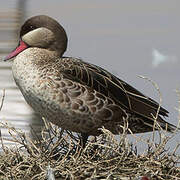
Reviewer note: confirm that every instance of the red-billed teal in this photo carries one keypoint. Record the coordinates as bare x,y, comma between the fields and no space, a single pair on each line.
73,94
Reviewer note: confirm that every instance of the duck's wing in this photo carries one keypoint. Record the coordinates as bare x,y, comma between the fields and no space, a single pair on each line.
106,83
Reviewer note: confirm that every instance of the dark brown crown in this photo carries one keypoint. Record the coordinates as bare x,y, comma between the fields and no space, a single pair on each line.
49,23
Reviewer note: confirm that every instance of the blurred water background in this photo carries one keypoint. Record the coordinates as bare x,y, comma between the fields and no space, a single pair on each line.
128,38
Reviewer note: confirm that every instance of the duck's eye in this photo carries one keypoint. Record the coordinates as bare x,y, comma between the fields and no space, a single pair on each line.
32,27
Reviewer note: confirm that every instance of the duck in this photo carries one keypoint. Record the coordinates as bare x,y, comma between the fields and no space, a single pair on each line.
73,94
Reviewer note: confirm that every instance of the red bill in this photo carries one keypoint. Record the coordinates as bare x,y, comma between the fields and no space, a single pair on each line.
21,47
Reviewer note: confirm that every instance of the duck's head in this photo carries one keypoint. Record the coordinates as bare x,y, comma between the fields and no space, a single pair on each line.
42,32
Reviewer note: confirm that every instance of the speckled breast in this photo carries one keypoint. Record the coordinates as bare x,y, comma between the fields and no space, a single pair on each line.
46,92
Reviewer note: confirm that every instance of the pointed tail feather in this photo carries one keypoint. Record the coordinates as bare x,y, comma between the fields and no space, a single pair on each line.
168,127
164,125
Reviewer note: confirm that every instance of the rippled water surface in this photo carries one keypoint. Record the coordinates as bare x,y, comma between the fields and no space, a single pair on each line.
128,38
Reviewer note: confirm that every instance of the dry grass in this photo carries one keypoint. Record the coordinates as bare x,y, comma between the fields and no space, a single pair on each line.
106,158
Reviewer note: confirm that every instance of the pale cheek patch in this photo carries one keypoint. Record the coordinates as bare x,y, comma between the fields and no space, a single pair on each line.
40,37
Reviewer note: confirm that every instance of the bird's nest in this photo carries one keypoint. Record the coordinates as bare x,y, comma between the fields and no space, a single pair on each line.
56,155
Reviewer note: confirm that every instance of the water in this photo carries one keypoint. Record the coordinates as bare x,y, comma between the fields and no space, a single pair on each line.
120,36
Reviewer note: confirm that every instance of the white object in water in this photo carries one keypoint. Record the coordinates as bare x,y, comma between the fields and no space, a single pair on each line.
159,58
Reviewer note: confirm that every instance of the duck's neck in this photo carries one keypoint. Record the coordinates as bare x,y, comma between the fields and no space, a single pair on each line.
36,56
30,62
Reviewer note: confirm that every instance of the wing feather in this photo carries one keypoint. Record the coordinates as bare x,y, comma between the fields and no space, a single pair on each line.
106,83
